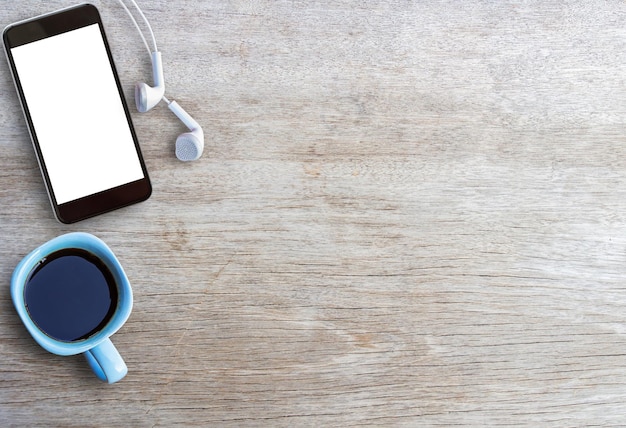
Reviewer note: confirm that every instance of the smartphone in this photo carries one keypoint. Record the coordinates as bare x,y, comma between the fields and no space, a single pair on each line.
76,113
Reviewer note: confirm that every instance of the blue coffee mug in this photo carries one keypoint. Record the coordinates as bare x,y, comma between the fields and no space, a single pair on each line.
98,349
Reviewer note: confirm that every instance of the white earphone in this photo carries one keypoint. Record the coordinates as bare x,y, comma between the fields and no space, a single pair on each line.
146,97
189,145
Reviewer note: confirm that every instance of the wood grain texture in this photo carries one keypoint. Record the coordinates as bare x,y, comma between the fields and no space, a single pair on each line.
408,214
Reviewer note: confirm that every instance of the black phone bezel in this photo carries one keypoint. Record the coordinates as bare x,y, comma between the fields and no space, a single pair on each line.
49,25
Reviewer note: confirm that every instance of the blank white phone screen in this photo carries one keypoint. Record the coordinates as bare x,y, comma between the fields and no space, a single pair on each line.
77,113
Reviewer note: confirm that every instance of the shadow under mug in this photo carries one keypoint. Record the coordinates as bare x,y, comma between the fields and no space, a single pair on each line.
98,349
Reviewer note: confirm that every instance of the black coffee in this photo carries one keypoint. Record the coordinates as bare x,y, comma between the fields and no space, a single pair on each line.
70,295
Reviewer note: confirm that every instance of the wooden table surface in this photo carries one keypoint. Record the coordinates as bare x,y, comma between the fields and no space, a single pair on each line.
407,213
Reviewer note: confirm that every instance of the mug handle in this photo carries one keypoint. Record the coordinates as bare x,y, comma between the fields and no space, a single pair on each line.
106,362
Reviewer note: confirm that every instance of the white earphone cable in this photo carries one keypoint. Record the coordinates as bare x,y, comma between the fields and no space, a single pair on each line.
145,42
147,24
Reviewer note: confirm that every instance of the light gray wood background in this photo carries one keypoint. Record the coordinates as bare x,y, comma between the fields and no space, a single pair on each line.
407,213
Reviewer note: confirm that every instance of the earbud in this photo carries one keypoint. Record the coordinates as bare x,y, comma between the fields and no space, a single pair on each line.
146,97
189,146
